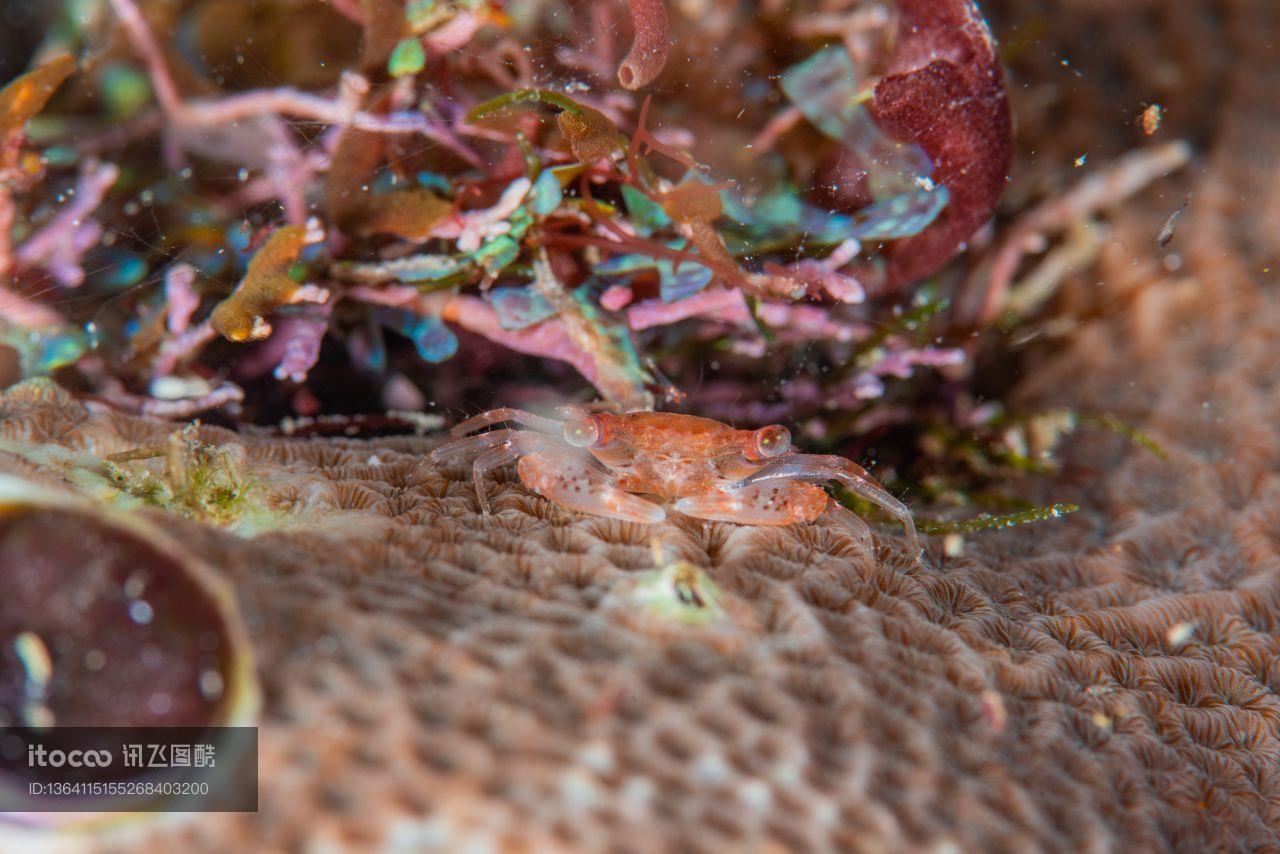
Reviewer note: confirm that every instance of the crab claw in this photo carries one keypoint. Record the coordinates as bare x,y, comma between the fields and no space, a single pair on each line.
821,468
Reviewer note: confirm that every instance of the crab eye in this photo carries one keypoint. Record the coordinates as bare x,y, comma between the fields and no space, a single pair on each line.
584,432
769,442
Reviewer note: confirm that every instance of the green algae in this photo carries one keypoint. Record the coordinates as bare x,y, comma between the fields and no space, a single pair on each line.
197,480
993,522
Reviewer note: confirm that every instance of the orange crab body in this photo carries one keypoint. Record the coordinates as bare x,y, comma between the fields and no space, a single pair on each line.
616,465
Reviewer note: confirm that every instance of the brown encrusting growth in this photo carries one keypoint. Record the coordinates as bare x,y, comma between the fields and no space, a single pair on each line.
265,287
20,100
410,212
23,98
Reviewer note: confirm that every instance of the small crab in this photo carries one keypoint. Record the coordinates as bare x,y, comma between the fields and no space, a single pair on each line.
602,463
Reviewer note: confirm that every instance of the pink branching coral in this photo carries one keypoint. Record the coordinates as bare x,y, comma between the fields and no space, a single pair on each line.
302,345
60,244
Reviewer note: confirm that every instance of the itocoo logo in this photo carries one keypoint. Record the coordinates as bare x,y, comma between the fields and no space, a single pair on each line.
39,755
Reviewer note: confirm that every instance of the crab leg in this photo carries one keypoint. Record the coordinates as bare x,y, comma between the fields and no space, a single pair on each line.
572,482
846,517
470,445
820,468
495,448
488,461
507,413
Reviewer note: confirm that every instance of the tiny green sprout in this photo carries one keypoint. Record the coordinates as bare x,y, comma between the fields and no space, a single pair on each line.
990,522
680,592
753,302
1107,421
524,96
407,58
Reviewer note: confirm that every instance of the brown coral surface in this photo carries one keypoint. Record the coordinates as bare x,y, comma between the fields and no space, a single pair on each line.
432,679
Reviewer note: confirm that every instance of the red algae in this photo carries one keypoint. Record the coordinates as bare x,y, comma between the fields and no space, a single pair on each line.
945,90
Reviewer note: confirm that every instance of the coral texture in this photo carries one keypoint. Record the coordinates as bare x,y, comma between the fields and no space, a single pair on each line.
1111,681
